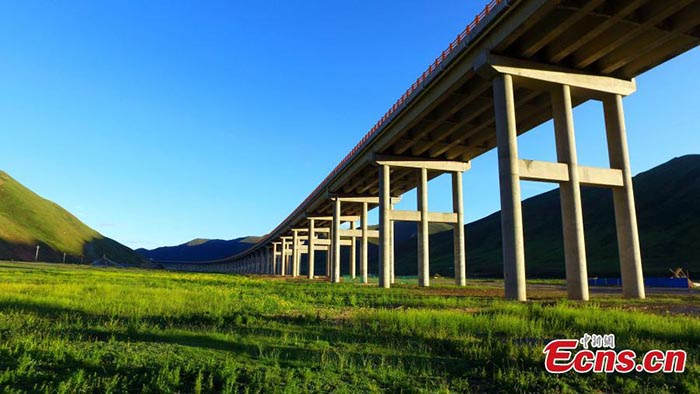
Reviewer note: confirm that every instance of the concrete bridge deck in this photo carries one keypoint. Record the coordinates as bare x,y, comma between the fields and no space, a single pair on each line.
518,65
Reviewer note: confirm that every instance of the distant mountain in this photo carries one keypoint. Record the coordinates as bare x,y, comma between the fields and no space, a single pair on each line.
28,220
668,214
199,249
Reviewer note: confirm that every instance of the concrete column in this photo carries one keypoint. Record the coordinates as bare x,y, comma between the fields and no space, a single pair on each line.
283,261
509,180
392,227
274,259
295,253
336,241
364,245
623,199
385,233
460,259
312,245
423,231
353,253
328,262
570,196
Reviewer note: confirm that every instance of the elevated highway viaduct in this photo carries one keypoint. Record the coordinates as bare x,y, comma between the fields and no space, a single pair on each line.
518,65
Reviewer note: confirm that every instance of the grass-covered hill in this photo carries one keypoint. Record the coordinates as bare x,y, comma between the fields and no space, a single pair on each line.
668,214
199,250
28,220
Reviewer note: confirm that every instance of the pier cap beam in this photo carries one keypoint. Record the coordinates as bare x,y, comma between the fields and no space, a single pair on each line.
538,76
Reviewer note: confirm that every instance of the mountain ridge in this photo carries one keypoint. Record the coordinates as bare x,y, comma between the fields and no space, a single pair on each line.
199,250
28,220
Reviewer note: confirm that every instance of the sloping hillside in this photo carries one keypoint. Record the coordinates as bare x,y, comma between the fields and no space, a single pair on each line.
668,213
28,220
199,250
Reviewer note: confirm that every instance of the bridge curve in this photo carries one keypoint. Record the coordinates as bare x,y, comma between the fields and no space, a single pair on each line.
519,64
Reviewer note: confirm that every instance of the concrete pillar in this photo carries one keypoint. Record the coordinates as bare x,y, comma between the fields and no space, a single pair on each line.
460,259
274,259
570,195
335,260
509,180
392,227
364,245
423,231
328,262
353,253
295,253
283,261
623,199
312,245
385,233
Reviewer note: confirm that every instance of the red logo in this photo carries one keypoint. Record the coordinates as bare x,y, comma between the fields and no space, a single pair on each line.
562,356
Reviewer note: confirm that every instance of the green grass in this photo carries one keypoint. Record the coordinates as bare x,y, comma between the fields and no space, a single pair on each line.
77,329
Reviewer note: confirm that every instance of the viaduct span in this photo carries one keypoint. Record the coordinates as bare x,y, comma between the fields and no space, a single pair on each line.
518,65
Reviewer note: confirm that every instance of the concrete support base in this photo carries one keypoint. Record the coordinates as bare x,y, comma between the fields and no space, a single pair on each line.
423,231
335,244
364,245
509,180
312,247
623,199
385,224
570,195
460,264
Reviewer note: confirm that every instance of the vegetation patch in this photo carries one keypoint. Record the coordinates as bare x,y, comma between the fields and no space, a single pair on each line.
71,329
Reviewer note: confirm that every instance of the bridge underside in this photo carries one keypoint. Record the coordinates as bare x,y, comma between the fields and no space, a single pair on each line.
531,61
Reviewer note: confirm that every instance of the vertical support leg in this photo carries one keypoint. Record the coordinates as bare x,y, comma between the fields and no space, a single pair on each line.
570,195
295,253
283,264
623,199
328,260
392,264
364,244
423,231
274,259
336,240
509,180
385,233
312,246
353,253
460,258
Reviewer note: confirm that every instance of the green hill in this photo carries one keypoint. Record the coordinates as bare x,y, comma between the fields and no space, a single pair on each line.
668,214
28,220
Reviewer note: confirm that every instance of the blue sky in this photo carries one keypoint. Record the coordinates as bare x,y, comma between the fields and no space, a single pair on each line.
157,122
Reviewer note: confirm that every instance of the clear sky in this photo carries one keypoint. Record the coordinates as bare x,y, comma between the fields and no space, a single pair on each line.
156,122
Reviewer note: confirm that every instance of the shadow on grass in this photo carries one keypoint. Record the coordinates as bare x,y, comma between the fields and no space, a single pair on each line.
317,343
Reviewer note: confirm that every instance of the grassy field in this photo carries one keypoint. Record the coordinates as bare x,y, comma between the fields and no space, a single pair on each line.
79,329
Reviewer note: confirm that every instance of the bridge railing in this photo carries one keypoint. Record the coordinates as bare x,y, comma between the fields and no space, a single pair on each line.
426,76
